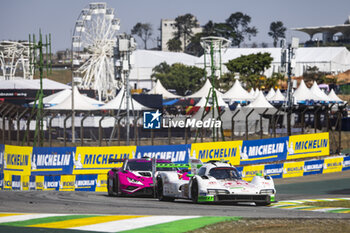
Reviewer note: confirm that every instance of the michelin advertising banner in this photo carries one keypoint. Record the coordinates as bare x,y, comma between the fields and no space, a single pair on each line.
346,163
313,167
262,151
274,170
17,160
94,160
308,145
175,153
52,160
1,181
217,150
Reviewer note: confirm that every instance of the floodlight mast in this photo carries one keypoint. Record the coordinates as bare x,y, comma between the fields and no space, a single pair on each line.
213,47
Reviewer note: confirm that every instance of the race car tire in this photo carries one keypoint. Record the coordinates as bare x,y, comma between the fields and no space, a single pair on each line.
262,203
116,186
194,191
160,193
110,190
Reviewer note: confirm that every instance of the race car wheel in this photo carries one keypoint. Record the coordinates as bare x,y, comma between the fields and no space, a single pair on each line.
116,186
160,193
262,203
194,191
110,189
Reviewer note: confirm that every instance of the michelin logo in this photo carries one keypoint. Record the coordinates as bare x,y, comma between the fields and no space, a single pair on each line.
174,156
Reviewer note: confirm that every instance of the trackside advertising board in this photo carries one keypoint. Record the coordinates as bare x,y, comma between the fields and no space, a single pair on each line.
175,153
333,164
313,167
274,170
308,145
262,151
94,160
346,163
2,150
217,150
293,169
52,160
17,160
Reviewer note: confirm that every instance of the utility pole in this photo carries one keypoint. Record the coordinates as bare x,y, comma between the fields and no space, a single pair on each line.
288,58
123,63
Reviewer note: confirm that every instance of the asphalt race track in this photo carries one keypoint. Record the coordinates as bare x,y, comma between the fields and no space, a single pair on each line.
317,186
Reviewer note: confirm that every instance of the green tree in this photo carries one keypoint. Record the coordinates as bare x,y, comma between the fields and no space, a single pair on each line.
184,25
277,30
239,29
144,31
250,67
174,45
179,77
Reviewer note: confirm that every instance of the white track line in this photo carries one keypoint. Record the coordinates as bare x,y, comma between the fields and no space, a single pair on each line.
23,217
129,224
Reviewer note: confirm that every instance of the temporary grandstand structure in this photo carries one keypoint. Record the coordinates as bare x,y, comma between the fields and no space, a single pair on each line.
120,103
160,90
237,94
204,91
317,91
145,60
81,102
270,94
303,94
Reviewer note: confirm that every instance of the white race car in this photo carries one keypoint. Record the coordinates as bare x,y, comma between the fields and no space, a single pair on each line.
216,182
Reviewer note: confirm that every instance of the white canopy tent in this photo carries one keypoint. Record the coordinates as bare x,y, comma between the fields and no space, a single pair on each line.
59,97
202,102
120,103
237,94
333,97
318,92
33,84
204,91
302,94
160,90
260,105
81,102
278,97
270,94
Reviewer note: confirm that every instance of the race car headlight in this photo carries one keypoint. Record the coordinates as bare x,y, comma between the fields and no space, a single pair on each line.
131,180
267,191
217,191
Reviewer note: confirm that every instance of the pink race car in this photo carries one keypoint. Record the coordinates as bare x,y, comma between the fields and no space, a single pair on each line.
135,176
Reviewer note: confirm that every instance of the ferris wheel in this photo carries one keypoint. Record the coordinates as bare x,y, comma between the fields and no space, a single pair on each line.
93,42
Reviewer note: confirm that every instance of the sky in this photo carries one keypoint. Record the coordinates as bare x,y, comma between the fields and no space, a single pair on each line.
19,18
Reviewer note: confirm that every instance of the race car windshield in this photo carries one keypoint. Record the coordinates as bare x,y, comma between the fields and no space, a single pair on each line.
145,166
224,173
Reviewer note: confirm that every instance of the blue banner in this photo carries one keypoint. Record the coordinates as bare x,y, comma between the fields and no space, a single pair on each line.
52,182
346,163
32,185
2,150
262,151
175,153
85,182
274,170
313,167
52,160
16,182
